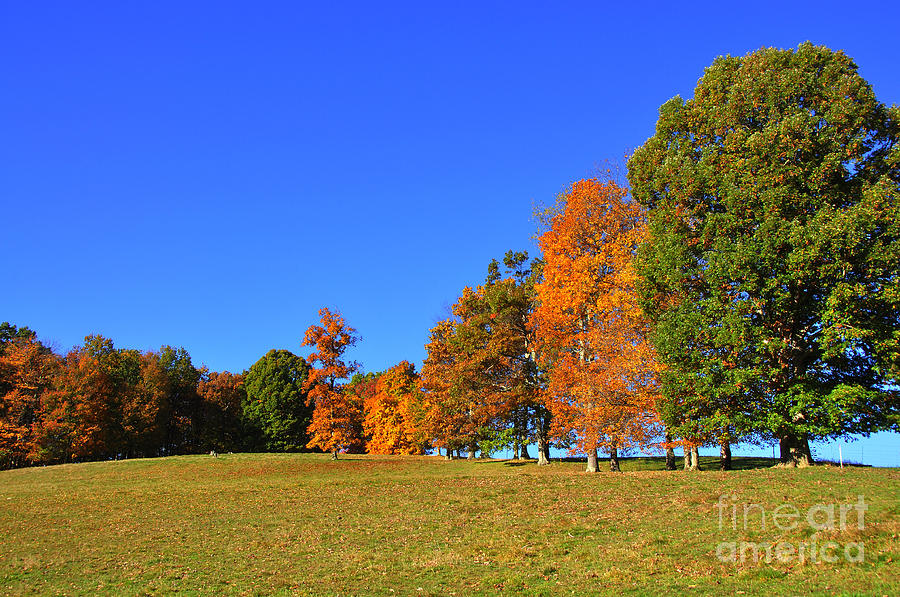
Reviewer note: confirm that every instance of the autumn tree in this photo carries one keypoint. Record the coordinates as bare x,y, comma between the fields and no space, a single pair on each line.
770,271
222,395
27,368
482,382
590,330
359,392
275,403
446,409
393,413
332,427
105,402
476,397
78,413
143,410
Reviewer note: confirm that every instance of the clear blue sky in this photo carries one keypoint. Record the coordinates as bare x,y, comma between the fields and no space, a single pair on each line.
209,174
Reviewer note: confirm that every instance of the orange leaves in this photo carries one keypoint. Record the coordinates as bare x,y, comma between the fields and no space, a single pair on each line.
589,327
26,369
333,422
393,413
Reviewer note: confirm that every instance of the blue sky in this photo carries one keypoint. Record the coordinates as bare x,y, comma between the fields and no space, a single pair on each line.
209,174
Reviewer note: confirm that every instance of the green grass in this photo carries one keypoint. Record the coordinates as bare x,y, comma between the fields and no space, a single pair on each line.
301,524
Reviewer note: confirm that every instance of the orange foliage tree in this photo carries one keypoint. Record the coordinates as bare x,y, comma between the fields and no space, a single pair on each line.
446,411
222,394
602,371
79,413
481,380
359,392
393,413
462,403
333,423
26,370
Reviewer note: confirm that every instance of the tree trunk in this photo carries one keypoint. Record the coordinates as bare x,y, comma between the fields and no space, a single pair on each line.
334,455
592,461
688,454
670,453
524,455
795,451
614,461
725,459
516,449
471,455
695,458
543,438
543,451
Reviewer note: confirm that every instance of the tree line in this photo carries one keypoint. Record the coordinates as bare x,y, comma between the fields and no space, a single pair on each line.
742,286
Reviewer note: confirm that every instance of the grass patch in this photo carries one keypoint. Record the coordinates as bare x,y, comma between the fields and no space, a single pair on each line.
253,524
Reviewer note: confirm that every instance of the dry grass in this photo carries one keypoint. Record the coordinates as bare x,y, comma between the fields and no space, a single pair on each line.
301,524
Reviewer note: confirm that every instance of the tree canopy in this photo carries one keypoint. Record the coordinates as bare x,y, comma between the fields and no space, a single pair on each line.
770,271
590,331
334,421
276,402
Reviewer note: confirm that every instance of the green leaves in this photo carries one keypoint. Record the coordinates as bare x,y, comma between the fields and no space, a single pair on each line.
275,405
770,273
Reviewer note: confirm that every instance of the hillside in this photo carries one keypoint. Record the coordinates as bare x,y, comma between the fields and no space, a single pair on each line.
301,524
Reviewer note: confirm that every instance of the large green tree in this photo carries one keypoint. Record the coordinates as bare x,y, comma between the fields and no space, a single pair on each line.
771,270
275,408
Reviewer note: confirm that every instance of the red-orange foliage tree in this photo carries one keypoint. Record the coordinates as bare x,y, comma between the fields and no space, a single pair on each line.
602,371
78,419
461,404
393,413
26,370
142,401
332,426
221,394
481,380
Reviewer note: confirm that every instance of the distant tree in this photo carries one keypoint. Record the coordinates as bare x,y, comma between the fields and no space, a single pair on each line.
222,395
183,401
519,379
392,413
275,405
477,369
482,383
142,403
11,335
27,368
771,267
359,392
447,410
333,423
591,333
78,419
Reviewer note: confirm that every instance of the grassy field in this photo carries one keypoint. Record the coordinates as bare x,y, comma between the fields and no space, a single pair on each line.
252,524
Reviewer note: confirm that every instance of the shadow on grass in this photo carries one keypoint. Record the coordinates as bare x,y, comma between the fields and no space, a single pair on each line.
651,463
